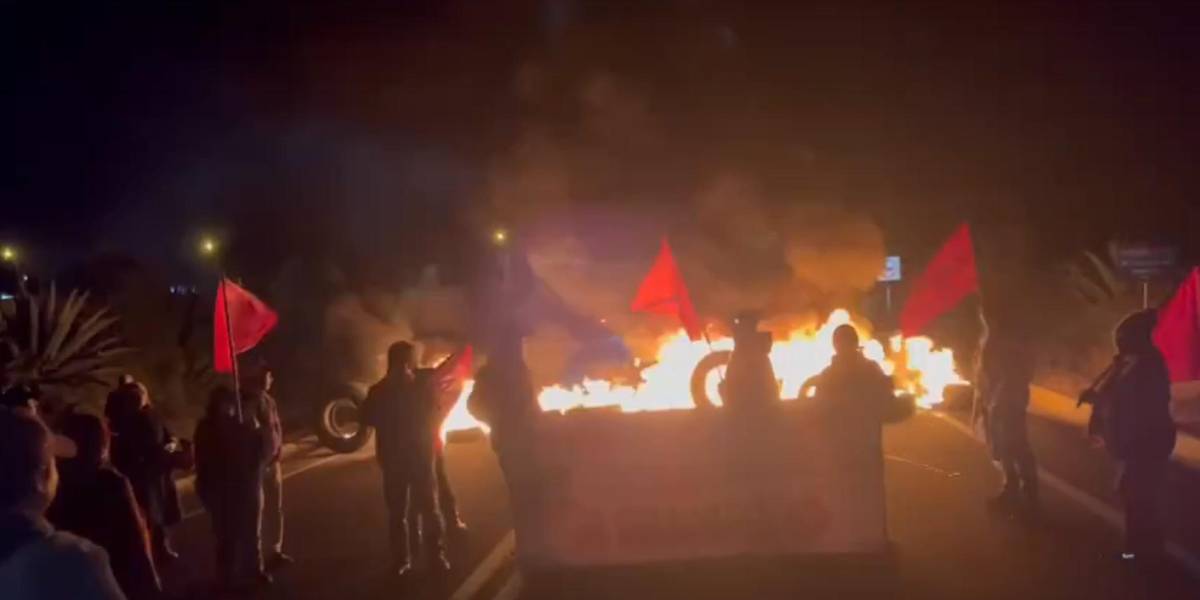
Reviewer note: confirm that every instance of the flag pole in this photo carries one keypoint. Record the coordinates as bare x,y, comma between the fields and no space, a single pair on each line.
237,380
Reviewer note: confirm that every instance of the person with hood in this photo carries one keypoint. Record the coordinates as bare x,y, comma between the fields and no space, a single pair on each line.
852,388
750,380
38,562
405,422
1131,414
96,502
229,459
145,451
1003,376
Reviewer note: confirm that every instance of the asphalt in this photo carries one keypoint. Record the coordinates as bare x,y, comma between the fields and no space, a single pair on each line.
944,543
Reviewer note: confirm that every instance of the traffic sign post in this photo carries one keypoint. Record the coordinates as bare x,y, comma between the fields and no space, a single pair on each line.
892,272
1144,262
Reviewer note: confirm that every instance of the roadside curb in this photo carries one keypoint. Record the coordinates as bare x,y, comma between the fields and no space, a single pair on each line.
1061,408
1098,508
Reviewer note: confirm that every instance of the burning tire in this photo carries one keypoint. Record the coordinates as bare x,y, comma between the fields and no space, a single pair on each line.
699,382
339,424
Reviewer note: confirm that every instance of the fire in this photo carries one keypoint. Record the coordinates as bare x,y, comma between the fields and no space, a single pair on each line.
918,367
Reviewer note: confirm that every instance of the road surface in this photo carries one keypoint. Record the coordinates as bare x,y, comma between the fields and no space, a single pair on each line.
945,545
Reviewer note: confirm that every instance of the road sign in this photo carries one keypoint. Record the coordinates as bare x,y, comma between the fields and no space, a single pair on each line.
1144,261
891,270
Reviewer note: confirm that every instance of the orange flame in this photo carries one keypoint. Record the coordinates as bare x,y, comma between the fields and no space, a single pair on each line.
925,372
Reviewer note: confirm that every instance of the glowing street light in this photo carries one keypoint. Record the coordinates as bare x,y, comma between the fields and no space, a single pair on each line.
208,246
8,254
500,236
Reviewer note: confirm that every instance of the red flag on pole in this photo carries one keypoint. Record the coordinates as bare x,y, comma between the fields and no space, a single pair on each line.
450,375
1177,334
663,292
948,279
240,321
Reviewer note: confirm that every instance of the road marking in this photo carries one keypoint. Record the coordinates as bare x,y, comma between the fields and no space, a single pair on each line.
1099,508
922,466
486,569
511,589
312,465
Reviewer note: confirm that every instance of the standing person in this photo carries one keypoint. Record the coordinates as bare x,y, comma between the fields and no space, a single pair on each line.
852,387
229,458
96,502
750,379
1003,376
447,502
144,451
503,395
38,562
256,387
1131,414
504,399
405,426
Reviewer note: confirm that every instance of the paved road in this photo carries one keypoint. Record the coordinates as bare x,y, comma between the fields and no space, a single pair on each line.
945,544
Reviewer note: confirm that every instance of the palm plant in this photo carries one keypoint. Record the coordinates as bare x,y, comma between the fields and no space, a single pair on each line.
45,343
1095,280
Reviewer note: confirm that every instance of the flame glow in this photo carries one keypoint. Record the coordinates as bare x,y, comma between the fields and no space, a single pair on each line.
918,367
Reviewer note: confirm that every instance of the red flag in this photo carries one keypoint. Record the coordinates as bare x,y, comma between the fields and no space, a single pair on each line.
451,374
950,277
249,320
1177,334
663,292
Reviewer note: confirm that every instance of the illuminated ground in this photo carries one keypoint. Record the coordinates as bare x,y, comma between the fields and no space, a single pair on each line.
946,545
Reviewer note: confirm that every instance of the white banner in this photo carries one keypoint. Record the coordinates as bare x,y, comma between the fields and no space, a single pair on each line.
602,488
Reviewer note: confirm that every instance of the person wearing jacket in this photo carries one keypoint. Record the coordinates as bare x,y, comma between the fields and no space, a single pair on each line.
1131,414
853,389
229,459
96,502
1002,379
144,451
405,423
256,393
38,562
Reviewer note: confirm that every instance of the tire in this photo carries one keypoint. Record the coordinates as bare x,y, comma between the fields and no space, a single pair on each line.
957,397
714,360
338,424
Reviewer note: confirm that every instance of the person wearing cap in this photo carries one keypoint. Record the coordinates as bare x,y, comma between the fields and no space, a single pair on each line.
38,562
750,379
405,426
96,502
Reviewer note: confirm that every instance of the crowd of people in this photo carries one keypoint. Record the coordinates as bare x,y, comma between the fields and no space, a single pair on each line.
86,512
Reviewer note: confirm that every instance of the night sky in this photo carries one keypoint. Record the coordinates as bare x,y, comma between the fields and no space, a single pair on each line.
293,129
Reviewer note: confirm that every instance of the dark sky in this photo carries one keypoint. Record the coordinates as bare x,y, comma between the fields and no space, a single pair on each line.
291,128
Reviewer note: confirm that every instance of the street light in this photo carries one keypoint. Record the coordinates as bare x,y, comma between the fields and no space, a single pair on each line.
8,254
208,246
500,236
